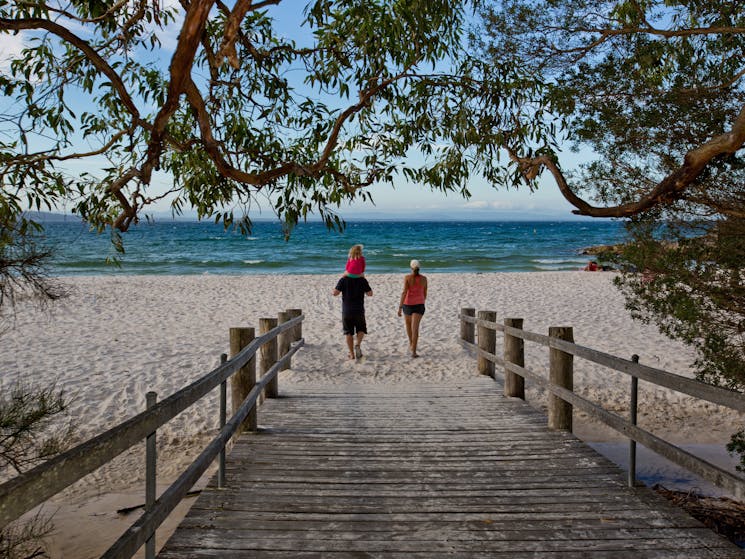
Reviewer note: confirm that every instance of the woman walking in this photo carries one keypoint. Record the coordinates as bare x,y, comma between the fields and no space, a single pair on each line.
412,304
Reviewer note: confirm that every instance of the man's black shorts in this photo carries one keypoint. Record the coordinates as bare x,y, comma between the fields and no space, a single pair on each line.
352,323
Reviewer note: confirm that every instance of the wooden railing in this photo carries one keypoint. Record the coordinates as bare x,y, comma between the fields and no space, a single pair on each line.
562,399
278,343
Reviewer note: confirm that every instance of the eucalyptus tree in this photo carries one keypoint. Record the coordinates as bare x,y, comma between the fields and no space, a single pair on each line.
232,111
654,89
650,97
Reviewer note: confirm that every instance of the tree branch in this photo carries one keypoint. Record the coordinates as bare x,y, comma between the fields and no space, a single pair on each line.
605,35
129,212
112,10
671,188
233,27
83,46
227,46
719,87
34,158
257,179
180,71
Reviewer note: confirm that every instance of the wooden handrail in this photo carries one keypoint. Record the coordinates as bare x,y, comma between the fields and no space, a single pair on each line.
707,470
692,387
32,488
660,377
728,398
128,544
486,355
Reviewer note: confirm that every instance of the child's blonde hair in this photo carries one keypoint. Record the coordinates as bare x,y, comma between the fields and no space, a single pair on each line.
355,252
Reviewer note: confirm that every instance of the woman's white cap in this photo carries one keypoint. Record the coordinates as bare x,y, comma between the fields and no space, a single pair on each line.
414,264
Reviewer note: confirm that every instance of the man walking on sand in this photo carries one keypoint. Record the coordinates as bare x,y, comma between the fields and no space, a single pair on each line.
353,291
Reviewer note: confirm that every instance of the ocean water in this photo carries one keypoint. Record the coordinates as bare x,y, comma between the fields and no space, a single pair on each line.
180,247
652,469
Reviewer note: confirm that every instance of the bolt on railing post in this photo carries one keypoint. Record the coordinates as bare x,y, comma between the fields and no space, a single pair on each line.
467,328
150,474
561,373
268,355
632,420
223,419
487,342
243,380
514,352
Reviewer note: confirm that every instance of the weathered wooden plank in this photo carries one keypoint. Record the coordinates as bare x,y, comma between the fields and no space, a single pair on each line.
522,541
415,495
402,506
389,474
225,520
603,510
435,540
430,451
360,487
493,518
201,553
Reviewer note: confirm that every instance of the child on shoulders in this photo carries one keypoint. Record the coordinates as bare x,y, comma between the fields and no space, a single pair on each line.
356,263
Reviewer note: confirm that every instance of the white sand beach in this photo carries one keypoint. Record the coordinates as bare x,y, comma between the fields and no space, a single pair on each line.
117,337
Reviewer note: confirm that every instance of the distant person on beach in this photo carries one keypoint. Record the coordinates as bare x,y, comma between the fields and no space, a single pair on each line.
353,291
592,266
355,263
412,304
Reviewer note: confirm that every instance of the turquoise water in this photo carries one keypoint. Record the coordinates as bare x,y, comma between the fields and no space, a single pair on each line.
171,247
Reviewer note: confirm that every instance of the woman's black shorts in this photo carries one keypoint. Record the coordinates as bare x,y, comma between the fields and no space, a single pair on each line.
413,309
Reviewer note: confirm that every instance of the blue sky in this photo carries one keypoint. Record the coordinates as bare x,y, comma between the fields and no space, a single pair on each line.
485,203
405,200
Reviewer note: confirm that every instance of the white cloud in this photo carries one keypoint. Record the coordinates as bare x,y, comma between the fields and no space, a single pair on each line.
501,205
476,205
169,34
489,205
11,45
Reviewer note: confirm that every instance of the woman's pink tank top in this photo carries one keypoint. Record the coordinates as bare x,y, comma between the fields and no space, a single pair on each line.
415,294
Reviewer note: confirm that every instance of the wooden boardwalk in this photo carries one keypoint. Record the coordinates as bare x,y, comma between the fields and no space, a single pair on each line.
426,472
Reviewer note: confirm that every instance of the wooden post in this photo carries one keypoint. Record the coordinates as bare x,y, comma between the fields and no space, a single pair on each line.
223,420
284,339
297,331
467,328
514,352
487,342
244,379
561,374
632,420
151,398
268,356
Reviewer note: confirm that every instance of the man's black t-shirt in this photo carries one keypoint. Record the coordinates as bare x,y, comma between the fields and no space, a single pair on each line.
353,294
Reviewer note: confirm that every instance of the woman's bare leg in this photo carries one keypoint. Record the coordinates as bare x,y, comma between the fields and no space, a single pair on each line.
414,338
407,321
